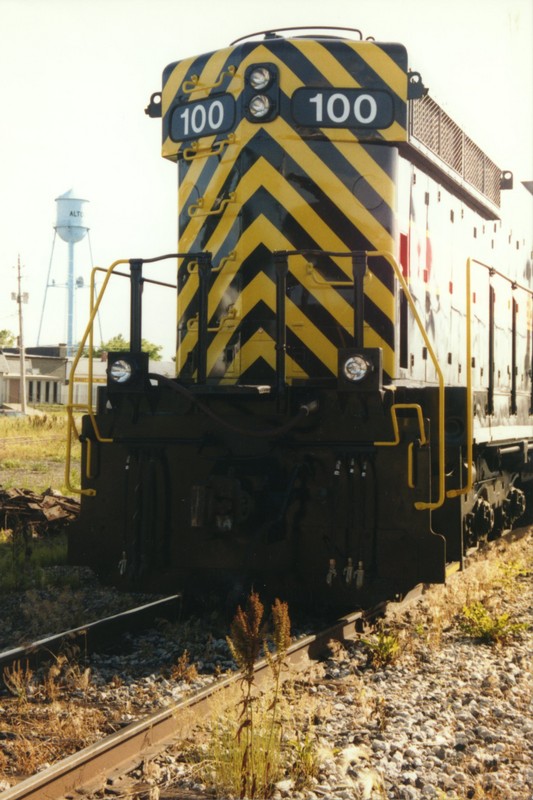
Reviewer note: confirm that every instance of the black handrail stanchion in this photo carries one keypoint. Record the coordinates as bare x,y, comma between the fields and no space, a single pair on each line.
359,269
136,290
281,262
204,270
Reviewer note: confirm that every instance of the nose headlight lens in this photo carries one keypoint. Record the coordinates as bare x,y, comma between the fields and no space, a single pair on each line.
260,106
356,368
260,78
120,371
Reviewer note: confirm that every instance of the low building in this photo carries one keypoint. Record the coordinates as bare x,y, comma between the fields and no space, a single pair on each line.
48,371
45,377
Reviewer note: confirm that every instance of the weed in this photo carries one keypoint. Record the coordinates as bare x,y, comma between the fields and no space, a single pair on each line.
11,463
246,744
234,768
379,712
49,612
511,570
65,671
183,670
281,639
383,649
38,466
477,621
303,759
56,730
248,632
18,681
51,680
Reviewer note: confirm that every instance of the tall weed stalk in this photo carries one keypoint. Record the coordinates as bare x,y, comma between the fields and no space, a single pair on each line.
259,745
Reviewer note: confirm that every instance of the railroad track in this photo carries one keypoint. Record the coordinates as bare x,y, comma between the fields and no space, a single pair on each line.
115,755
119,752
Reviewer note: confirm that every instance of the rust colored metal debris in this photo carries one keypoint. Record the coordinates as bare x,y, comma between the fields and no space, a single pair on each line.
44,513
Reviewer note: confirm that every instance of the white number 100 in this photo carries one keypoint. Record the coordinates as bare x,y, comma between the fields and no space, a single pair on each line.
338,108
200,119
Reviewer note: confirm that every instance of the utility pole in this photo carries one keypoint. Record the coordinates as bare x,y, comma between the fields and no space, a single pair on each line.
21,298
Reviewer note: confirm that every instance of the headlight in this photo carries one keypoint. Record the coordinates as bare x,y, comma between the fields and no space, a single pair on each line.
260,106
120,371
356,368
260,78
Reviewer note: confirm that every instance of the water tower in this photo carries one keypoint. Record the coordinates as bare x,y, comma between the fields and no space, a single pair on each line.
71,227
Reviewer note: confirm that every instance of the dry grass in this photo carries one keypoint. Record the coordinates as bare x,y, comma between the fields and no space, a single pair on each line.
32,451
57,730
216,754
494,578
47,717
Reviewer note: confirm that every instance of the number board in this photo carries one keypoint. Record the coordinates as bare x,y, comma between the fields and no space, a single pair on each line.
202,118
343,108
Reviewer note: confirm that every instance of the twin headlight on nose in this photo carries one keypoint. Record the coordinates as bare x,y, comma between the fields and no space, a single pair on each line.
261,94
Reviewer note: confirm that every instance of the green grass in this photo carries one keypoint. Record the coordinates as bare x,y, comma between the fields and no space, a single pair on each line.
24,561
32,451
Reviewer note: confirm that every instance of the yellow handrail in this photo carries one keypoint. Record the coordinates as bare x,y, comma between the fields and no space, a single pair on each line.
197,209
440,427
196,151
410,479
423,440
231,313
469,388
194,85
415,407
192,266
318,279
86,407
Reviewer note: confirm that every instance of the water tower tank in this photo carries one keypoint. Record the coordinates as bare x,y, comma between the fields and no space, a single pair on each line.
70,222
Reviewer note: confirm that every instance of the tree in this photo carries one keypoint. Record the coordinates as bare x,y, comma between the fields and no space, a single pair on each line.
7,339
118,342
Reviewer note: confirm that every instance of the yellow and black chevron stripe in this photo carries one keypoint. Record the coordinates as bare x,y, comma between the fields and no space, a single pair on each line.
279,185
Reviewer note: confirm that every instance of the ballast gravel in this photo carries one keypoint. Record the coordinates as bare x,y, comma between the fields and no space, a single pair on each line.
450,720
452,723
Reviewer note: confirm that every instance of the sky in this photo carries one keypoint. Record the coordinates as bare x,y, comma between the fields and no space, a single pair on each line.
76,75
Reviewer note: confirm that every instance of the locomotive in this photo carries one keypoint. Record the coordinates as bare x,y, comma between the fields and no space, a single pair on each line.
351,409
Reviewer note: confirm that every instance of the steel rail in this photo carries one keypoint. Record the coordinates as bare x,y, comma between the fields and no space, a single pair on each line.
94,634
